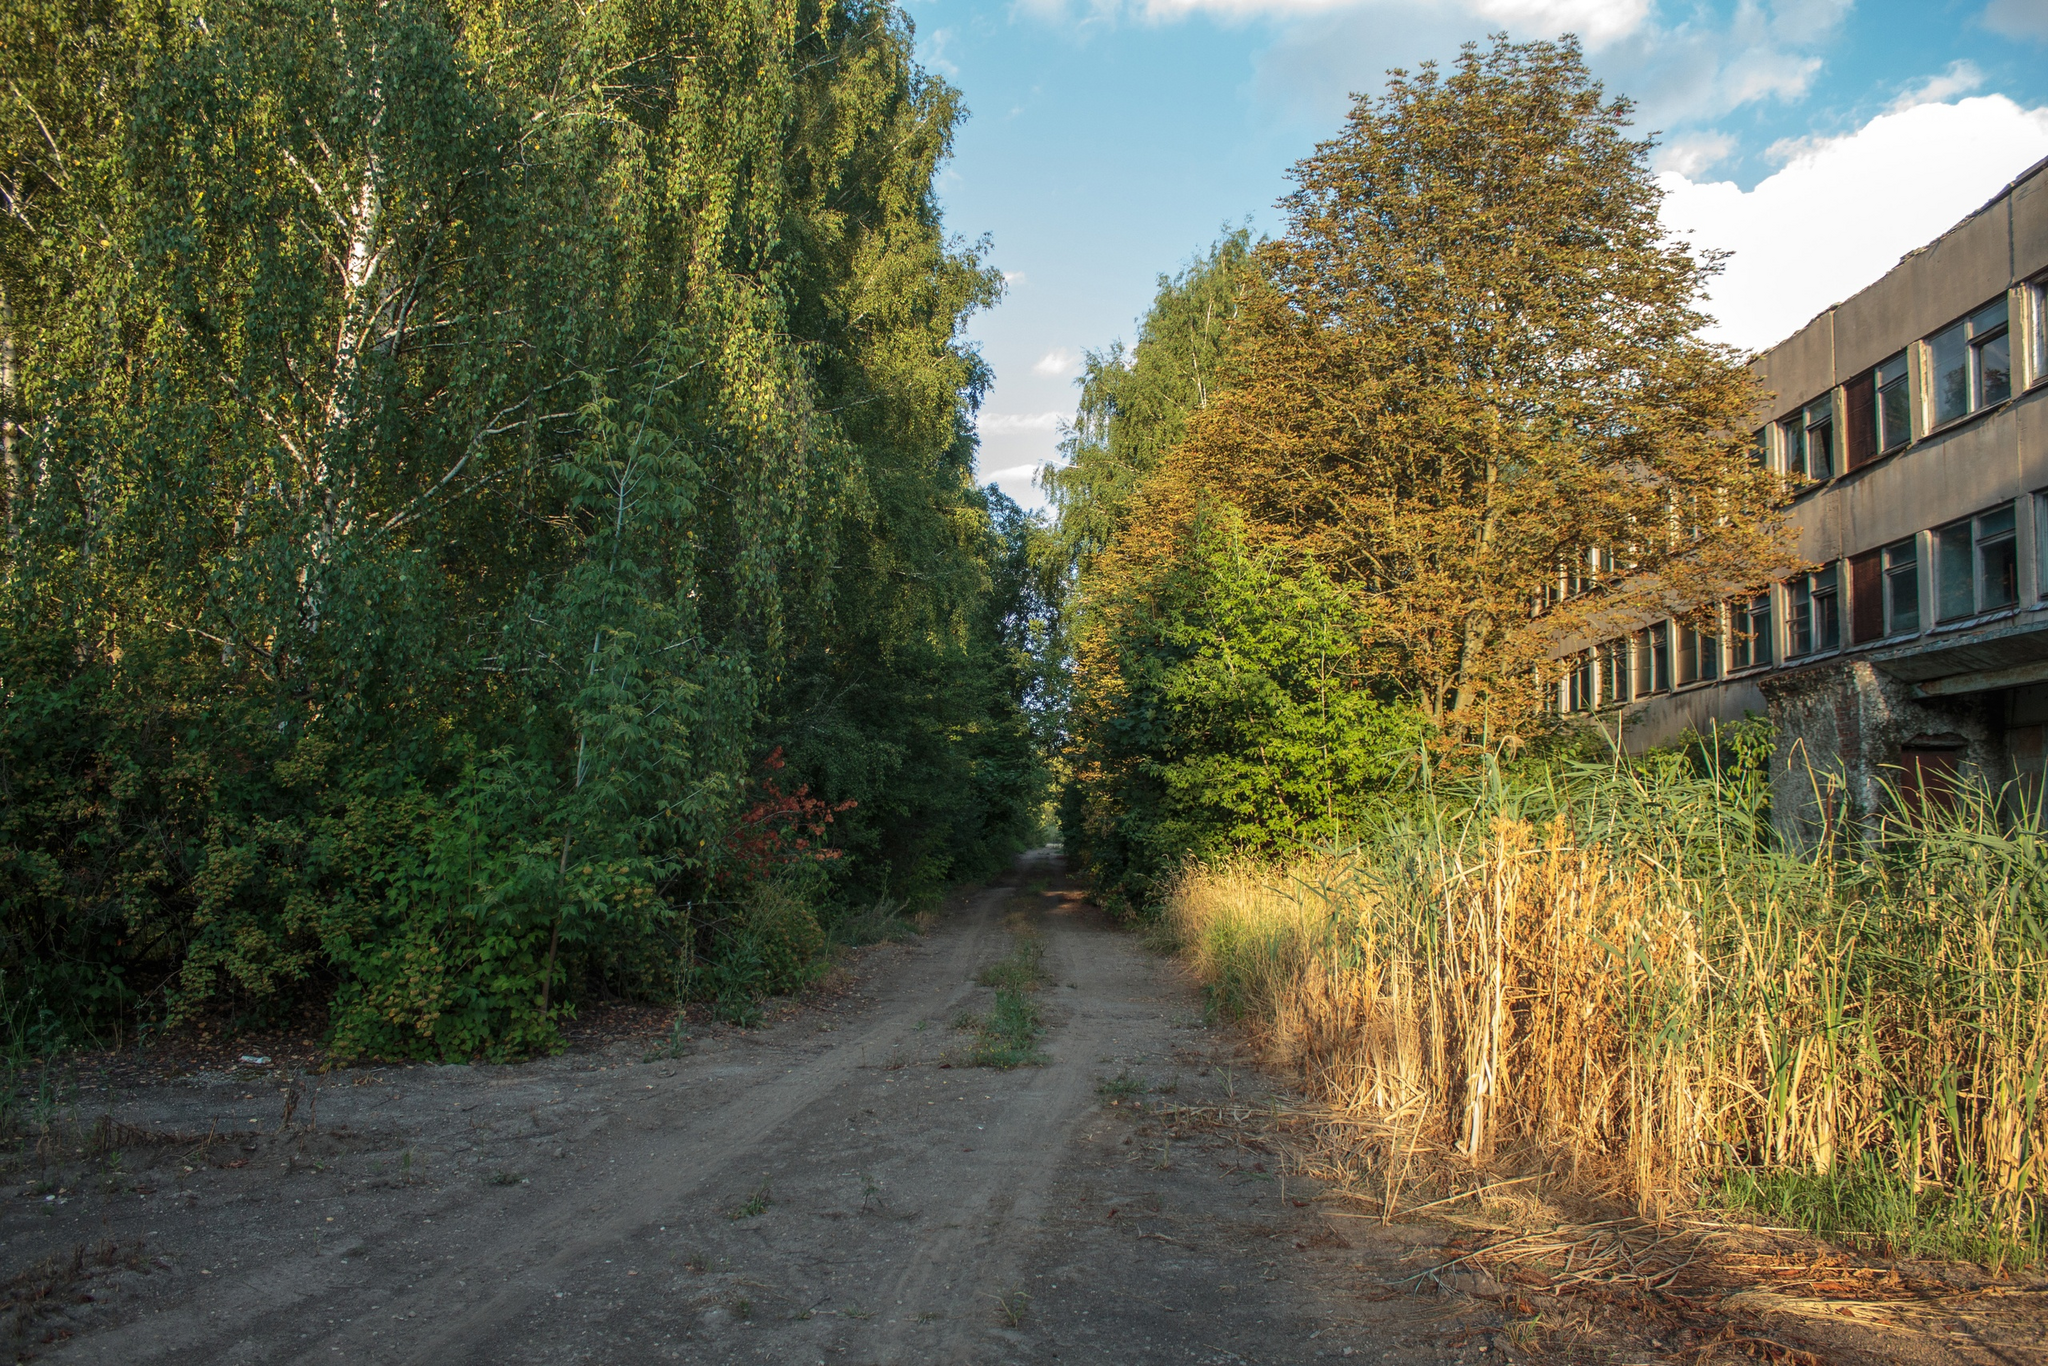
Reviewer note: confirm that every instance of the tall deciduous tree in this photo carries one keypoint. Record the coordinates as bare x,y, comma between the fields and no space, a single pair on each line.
1473,358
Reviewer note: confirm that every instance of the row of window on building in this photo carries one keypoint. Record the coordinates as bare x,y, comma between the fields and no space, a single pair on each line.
1963,369
1947,575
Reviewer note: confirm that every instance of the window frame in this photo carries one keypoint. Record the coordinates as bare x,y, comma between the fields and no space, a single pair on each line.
1813,613
1700,657
1651,651
1890,570
1903,382
1614,672
1748,646
1976,333
1977,541
1992,332
2034,300
1795,436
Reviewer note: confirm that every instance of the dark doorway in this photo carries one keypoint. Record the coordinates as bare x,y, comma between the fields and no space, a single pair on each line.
1930,776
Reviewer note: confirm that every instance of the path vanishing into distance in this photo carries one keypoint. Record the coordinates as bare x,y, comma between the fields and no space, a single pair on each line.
827,1188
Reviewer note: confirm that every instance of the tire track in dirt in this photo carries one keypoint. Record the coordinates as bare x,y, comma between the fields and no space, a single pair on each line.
902,1201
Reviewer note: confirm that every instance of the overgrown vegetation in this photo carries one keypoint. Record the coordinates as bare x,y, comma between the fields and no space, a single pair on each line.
1356,484
1007,1036
1613,971
486,514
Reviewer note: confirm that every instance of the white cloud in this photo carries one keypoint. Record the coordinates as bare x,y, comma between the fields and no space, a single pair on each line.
1683,64
1693,153
1596,21
932,46
2017,18
1834,219
1960,79
991,424
1014,277
1058,363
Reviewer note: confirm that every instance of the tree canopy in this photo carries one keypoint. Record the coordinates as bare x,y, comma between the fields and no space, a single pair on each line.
472,469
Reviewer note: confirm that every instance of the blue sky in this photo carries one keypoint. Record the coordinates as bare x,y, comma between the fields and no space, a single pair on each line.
1109,140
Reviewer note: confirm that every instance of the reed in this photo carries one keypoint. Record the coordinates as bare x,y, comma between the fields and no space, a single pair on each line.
1615,971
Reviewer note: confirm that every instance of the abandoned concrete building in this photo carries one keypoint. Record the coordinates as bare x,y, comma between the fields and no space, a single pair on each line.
1917,414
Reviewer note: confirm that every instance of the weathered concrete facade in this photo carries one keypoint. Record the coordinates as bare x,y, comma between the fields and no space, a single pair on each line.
1915,415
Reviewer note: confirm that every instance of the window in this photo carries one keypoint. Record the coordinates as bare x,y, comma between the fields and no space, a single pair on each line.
1879,413
1749,635
1653,659
1976,565
1971,364
2037,319
1816,613
2041,544
1894,405
1810,439
1614,671
1579,686
1998,561
1990,356
1902,587
1699,655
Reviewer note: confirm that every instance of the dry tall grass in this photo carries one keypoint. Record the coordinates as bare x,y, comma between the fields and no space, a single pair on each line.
1616,973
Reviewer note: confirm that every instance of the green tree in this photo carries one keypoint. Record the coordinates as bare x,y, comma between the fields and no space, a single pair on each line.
442,436
1223,704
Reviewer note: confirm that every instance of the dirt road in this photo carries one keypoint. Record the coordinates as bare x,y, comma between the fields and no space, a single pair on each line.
829,1188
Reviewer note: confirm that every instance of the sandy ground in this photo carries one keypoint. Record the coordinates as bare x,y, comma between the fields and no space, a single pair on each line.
829,1188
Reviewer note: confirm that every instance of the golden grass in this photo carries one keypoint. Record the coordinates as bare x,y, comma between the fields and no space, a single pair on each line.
1616,975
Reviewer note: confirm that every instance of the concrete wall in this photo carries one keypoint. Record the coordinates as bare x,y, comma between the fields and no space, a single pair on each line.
1640,726
1840,729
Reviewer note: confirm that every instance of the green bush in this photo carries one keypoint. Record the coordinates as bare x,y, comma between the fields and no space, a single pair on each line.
786,937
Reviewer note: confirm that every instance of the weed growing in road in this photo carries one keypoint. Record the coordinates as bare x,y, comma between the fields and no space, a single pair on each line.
506,1178
676,1045
861,1314
695,1263
757,1203
1008,1035
1013,1305
928,1317
743,1307
1123,1086
1023,970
